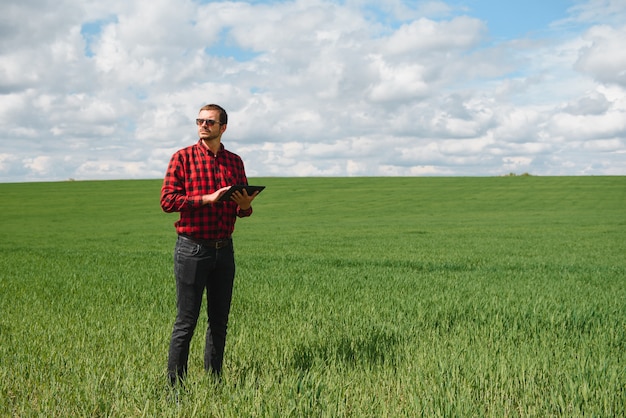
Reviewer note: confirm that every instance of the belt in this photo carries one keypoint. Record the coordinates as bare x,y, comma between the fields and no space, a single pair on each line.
210,243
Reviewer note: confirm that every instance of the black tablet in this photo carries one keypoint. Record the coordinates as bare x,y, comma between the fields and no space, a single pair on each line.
250,189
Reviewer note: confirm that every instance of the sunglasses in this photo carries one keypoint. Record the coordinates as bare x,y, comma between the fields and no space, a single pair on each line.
209,122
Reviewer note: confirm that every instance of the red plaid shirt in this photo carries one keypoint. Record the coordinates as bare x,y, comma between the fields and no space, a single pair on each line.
193,172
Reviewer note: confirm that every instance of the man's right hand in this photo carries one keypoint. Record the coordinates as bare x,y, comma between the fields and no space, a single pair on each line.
214,197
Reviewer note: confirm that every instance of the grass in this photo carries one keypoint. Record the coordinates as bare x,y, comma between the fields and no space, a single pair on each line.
353,297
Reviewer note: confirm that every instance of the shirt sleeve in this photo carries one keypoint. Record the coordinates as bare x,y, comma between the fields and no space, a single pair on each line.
173,193
243,179
244,213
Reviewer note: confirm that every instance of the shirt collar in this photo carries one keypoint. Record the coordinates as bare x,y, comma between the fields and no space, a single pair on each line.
203,147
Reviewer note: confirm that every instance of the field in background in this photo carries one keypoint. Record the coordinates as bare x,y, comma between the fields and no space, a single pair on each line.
354,297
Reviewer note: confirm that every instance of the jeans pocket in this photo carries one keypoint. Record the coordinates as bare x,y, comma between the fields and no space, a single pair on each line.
187,248
186,261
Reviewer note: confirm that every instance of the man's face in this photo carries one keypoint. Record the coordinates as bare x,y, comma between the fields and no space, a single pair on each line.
206,131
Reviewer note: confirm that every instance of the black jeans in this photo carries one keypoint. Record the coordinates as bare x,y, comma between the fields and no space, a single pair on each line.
197,267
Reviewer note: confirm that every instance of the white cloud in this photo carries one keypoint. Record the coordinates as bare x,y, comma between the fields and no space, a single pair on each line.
109,90
425,35
605,56
588,127
111,169
594,104
6,161
516,164
40,165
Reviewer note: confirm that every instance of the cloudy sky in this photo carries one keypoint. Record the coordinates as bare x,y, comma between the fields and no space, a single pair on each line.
110,89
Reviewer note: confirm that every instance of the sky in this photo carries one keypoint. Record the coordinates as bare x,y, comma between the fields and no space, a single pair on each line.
93,90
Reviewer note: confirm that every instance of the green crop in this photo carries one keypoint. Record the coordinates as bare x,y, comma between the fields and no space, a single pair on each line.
353,297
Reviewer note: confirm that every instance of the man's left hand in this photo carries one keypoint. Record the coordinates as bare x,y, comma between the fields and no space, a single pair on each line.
243,199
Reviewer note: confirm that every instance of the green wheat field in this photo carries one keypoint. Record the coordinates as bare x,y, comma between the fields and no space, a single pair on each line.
354,297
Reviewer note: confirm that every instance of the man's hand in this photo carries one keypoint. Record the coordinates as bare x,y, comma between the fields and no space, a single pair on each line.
243,200
215,196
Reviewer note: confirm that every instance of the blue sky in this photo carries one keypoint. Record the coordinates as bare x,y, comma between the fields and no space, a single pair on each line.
314,87
514,19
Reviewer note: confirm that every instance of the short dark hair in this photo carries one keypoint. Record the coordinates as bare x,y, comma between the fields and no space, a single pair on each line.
223,114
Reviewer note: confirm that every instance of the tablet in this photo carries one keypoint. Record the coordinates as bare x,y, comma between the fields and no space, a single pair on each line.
250,189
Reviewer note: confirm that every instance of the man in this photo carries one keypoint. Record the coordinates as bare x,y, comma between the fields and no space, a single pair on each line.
197,176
